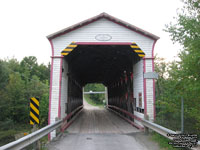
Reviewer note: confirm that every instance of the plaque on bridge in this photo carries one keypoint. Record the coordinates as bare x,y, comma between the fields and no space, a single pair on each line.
151,75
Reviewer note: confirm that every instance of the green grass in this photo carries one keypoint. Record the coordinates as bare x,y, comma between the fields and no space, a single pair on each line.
7,136
163,142
93,103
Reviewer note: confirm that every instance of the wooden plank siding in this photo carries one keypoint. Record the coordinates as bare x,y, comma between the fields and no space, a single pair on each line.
87,34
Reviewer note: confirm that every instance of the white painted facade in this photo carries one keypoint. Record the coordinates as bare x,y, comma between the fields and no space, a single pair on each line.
87,33
64,88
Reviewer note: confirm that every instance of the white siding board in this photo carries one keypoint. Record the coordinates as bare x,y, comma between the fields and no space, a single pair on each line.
138,82
55,92
87,34
148,65
103,26
64,89
149,92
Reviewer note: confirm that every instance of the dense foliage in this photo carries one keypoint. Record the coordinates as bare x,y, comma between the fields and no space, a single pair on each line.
97,98
181,78
18,82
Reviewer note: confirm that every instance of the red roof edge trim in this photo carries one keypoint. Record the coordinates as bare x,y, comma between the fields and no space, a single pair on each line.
106,16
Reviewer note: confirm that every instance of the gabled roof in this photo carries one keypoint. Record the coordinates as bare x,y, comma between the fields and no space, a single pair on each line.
108,17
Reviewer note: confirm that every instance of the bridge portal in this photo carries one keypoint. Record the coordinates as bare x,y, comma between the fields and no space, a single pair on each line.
106,50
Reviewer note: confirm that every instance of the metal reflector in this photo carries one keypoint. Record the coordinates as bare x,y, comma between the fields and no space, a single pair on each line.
69,48
137,49
34,110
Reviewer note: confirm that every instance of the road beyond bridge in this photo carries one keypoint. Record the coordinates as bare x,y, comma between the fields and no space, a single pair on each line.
97,129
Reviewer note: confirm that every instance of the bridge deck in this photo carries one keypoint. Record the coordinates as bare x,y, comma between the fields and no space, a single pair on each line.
100,121
97,129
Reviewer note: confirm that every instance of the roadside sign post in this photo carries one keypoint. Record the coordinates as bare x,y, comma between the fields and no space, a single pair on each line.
34,117
34,110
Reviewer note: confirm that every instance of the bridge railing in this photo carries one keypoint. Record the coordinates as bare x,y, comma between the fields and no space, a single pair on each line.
37,135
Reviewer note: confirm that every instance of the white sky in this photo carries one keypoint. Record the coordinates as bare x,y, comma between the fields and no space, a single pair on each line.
24,24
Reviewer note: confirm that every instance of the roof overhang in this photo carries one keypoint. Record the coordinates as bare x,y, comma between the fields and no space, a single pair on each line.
108,17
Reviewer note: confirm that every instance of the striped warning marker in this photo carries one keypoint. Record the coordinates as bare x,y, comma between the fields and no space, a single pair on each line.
137,49
34,110
69,48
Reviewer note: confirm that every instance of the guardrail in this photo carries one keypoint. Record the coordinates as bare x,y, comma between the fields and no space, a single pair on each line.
35,136
148,125
31,138
157,128
163,131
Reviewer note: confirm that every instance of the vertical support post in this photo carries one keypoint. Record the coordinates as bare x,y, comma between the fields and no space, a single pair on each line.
83,90
106,96
58,129
146,130
128,89
37,144
182,114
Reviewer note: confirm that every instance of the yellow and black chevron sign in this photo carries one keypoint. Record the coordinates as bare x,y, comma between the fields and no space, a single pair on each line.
137,50
34,110
69,48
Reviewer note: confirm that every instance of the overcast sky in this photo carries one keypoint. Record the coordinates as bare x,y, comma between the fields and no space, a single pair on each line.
24,24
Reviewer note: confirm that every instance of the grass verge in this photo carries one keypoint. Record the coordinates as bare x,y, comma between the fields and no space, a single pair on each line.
93,103
163,142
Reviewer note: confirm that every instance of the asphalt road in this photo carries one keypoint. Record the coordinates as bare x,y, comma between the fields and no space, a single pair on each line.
100,129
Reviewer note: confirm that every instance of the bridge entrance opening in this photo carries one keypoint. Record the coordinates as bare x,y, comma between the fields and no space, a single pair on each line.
101,63
94,94
109,64
103,53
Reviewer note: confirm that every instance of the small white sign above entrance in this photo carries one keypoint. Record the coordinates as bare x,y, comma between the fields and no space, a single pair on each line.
103,37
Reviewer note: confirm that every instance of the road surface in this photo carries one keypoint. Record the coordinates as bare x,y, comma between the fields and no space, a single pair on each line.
99,129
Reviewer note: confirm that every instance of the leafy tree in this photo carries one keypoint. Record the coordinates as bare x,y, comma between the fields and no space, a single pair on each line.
15,98
40,90
3,74
167,98
43,72
18,82
44,105
183,76
29,67
12,65
97,98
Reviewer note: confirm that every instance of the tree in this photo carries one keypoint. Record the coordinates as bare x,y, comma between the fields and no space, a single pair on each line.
15,98
97,98
167,95
40,90
3,74
18,82
184,75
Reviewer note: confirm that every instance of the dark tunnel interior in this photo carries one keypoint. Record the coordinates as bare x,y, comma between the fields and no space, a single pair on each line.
111,65
100,63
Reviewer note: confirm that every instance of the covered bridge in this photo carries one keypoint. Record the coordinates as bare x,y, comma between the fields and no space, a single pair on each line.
103,49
